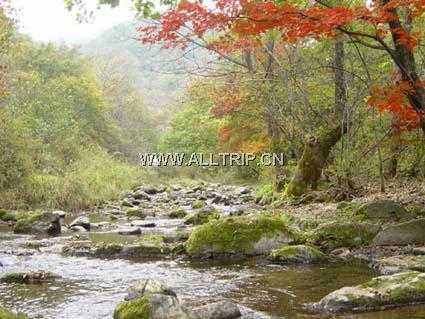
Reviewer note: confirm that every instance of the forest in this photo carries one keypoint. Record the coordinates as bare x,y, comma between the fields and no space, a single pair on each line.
335,88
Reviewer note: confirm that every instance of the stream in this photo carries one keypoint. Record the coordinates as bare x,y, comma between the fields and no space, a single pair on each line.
90,288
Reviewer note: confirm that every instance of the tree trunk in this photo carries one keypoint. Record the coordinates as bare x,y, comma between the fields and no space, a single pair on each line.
317,149
312,162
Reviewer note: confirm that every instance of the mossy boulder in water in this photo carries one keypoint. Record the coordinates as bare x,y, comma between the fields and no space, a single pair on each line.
6,314
406,233
202,216
150,299
379,293
395,264
37,223
344,234
136,212
177,213
34,277
297,254
244,235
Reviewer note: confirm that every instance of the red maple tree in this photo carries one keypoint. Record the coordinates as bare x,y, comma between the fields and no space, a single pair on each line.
237,24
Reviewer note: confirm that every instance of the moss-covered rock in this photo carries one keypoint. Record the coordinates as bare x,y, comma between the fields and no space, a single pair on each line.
6,216
6,314
150,299
395,264
378,293
406,233
384,210
177,213
244,235
34,277
203,216
297,254
37,223
133,309
136,212
344,234
196,204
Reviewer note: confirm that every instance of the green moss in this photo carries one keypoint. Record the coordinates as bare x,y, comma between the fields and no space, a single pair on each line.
107,250
25,221
344,234
234,235
197,204
202,217
297,254
134,309
28,278
135,212
178,213
6,314
7,216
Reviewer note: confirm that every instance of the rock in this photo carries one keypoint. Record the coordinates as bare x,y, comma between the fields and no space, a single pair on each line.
196,204
142,223
127,202
385,210
201,217
78,229
140,194
34,277
243,236
344,234
297,254
152,190
38,223
177,213
136,212
217,310
377,294
60,213
6,314
395,264
150,299
130,231
148,286
82,221
406,233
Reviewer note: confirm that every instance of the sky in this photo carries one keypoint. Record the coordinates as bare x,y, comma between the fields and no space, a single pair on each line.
48,20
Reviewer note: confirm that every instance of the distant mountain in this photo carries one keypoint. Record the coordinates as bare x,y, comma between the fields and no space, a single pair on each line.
158,73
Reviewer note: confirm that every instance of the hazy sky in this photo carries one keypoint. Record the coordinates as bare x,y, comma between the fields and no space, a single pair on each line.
48,20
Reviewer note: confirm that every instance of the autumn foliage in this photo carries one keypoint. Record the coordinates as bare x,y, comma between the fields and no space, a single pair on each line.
237,24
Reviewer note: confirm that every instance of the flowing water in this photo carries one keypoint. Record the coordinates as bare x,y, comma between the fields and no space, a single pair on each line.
90,288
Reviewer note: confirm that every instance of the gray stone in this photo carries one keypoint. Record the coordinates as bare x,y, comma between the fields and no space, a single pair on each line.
217,310
82,221
406,233
386,210
377,294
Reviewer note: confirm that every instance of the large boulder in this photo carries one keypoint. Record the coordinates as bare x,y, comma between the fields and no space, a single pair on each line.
406,233
379,293
244,235
303,254
395,264
38,223
344,234
384,210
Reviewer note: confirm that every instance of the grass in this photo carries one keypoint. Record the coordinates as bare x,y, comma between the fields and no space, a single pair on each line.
94,178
